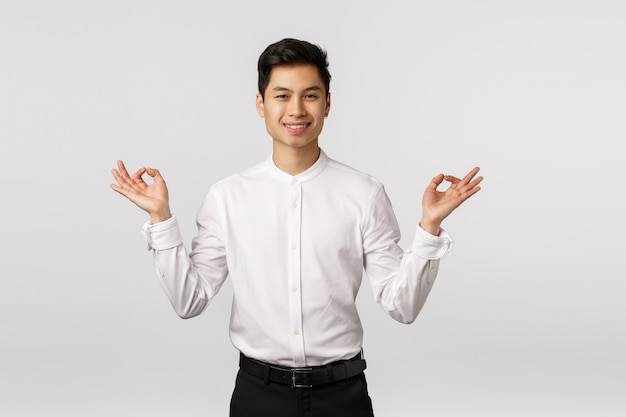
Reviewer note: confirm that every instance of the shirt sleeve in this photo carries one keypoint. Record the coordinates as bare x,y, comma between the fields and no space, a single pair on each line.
190,280
401,280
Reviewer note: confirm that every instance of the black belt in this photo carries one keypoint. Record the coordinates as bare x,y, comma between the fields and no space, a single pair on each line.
303,377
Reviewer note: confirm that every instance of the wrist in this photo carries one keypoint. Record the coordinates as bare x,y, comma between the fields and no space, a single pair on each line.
160,216
432,227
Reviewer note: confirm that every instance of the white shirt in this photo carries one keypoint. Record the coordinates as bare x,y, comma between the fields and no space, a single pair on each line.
295,248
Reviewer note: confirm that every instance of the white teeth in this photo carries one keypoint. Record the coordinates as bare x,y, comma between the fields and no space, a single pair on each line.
296,126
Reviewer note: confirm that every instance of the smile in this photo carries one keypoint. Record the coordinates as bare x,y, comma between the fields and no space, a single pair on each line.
293,126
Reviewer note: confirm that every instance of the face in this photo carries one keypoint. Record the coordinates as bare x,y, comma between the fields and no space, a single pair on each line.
294,107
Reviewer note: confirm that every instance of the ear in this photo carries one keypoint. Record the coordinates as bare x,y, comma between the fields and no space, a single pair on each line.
327,110
260,109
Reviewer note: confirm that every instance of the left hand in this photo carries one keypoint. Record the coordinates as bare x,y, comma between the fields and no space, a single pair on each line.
437,205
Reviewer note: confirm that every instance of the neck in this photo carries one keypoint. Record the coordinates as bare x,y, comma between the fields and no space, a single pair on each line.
293,161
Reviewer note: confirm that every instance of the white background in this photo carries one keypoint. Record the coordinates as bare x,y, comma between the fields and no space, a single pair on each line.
527,317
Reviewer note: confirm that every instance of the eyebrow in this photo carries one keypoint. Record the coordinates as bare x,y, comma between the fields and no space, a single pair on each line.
312,88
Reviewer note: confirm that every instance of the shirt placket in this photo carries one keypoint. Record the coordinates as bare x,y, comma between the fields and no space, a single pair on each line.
294,279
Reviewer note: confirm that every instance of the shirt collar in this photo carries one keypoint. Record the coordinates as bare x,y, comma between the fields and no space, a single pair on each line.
309,174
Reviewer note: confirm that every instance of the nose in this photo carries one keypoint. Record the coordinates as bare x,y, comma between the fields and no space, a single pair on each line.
296,107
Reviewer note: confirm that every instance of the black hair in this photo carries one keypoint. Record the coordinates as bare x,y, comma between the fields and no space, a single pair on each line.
292,52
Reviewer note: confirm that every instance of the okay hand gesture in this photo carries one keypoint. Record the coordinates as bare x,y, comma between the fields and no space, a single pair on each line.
437,205
153,198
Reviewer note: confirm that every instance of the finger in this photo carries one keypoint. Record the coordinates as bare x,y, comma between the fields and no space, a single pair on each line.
118,189
123,179
471,174
154,173
453,180
122,169
128,181
434,183
138,174
470,193
470,189
118,176
473,184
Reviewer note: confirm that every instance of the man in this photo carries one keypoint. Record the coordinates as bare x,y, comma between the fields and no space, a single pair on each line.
295,233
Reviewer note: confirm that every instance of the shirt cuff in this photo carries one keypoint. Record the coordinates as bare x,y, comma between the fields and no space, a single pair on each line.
429,246
162,235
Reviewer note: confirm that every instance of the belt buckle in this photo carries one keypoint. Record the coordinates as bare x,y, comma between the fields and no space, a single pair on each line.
294,379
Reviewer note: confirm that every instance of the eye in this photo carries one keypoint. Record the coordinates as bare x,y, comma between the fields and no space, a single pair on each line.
310,96
281,97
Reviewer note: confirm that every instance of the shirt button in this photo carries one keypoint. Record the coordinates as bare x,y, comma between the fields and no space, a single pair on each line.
294,288
294,246
294,180
296,332
294,205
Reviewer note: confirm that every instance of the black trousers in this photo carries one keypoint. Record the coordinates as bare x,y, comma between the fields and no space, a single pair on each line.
253,398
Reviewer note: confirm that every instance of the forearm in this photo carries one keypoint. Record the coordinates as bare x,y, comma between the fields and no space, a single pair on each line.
178,276
406,293
181,281
403,288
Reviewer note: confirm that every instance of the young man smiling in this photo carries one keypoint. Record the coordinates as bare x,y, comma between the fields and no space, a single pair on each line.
294,234
294,105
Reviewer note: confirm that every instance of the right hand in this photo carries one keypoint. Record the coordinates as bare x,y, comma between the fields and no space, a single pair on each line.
152,198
